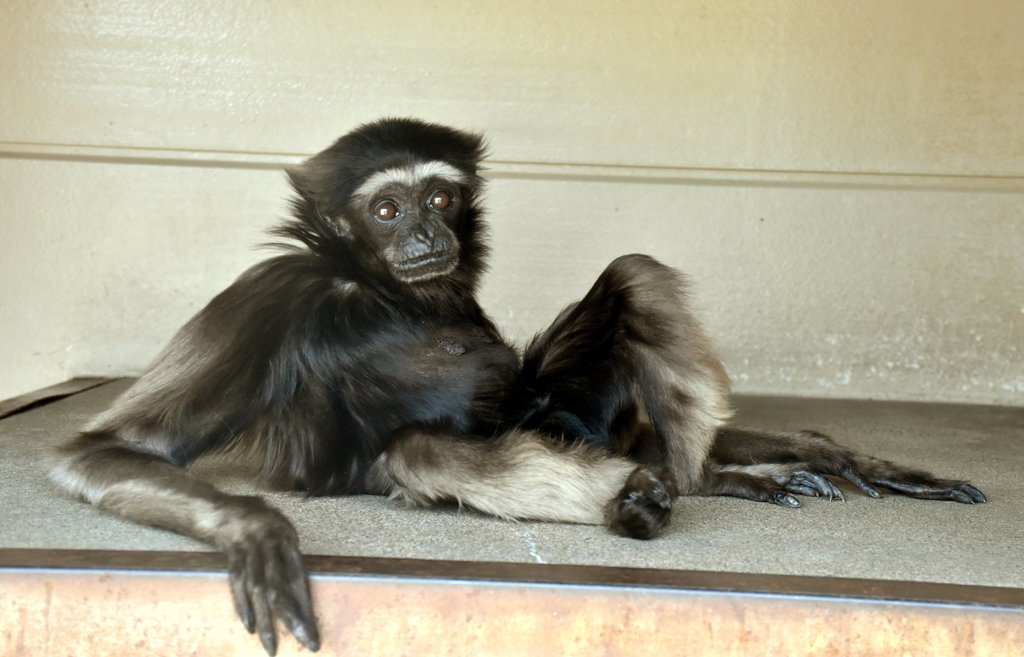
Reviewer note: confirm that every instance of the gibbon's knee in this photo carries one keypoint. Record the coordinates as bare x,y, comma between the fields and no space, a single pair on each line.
652,285
642,269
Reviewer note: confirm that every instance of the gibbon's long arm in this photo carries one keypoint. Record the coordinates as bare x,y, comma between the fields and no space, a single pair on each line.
267,576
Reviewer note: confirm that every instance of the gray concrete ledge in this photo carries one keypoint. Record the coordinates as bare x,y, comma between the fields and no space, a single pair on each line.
891,539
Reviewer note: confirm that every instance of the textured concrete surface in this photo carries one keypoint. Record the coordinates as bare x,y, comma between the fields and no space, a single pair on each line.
891,538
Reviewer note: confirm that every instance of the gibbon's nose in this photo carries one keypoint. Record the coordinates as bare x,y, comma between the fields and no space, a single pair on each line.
423,241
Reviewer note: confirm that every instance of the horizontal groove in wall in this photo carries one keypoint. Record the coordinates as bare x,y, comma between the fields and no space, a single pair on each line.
158,156
499,169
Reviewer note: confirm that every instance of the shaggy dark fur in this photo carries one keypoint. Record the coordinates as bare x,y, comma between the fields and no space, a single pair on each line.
359,361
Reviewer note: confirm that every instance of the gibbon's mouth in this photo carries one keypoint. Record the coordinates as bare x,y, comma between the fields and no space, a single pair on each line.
425,267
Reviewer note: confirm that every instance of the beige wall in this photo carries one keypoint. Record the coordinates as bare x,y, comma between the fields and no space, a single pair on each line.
844,181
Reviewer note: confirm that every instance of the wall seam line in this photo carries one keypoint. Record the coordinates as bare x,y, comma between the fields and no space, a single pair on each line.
526,170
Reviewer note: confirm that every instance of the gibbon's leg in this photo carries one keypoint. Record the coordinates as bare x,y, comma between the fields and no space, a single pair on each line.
765,482
795,461
520,474
526,475
632,349
629,348
267,576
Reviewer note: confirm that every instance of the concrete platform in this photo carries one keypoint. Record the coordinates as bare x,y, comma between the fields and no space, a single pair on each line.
891,538
717,553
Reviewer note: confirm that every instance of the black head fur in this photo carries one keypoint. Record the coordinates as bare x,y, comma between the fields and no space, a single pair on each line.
325,183
331,176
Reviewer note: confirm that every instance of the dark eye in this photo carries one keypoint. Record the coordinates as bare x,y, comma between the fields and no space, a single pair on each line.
440,199
385,211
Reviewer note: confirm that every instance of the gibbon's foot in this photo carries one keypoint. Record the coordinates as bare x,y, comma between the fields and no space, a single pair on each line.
643,507
810,484
912,483
813,484
939,489
800,461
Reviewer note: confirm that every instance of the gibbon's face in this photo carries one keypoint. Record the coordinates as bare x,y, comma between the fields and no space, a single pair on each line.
410,213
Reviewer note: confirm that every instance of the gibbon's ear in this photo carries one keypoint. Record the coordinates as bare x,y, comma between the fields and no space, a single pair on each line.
307,179
321,191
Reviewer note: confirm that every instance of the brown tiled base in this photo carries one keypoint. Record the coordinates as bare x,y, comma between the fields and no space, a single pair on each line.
164,603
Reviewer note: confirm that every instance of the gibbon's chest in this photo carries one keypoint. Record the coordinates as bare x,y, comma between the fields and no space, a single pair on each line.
460,359
436,375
